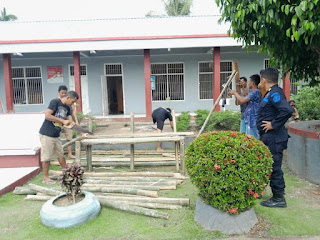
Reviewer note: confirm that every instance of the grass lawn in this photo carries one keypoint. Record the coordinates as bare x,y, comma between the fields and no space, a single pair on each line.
20,219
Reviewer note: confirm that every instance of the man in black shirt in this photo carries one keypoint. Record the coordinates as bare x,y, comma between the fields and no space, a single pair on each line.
159,115
57,114
273,113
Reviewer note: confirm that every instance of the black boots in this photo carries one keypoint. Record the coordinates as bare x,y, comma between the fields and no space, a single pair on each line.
277,200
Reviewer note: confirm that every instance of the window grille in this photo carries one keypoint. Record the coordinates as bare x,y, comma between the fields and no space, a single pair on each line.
113,69
293,86
266,63
83,70
169,81
206,76
27,85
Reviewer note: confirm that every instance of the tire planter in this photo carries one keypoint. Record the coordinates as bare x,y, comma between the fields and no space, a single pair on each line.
72,215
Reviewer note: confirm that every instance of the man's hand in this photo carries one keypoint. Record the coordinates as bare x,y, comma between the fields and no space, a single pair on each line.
66,122
232,92
266,126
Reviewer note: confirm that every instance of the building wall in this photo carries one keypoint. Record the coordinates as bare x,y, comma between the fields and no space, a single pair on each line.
133,78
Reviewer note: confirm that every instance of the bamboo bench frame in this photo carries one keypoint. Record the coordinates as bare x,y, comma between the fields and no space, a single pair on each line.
88,143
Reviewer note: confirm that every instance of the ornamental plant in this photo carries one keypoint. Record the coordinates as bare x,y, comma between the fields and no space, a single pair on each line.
72,180
230,169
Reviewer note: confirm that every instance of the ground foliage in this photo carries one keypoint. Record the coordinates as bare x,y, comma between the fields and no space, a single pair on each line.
308,103
72,180
289,31
230,169
183,122
227,120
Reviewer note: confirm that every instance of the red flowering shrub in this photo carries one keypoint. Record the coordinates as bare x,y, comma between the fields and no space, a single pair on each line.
230,169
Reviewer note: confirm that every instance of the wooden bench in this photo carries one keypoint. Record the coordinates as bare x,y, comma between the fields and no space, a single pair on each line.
180,140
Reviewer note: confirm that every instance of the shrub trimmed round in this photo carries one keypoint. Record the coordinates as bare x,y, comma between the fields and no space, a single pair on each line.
230,169
72,215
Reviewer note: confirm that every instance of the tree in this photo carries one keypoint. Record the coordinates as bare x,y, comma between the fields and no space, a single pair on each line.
5,17
287,30
177,7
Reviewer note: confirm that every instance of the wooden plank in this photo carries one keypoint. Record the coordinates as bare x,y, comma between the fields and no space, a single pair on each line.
146,134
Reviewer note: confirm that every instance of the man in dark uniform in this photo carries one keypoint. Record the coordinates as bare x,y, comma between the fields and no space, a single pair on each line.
159,115
273,113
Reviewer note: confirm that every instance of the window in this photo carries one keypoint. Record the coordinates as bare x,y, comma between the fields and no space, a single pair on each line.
113,69
206,76
293,86
169,81
266,63
83,70
27,85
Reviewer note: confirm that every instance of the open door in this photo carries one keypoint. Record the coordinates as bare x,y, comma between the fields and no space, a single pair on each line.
112,95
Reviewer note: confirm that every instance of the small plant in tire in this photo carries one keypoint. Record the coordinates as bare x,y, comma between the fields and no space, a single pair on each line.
72,180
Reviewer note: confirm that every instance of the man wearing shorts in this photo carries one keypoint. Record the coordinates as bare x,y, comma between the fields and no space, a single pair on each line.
159,115
57,114
62,90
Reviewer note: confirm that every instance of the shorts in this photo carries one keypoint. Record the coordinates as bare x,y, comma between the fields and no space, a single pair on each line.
68,132
160,125
50,147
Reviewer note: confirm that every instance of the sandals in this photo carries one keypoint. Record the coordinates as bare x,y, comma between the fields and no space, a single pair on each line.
48,182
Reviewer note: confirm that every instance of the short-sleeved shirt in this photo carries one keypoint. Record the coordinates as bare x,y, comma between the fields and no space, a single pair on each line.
161,114
251,112
60,110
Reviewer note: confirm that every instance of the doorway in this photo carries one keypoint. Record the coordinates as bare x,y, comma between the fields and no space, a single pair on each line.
112,95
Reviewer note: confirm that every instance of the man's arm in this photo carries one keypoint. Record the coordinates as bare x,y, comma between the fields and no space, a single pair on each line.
74,114
241,99
50,117
171,123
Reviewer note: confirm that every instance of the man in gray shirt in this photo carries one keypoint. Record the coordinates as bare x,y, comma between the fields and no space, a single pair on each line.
244,93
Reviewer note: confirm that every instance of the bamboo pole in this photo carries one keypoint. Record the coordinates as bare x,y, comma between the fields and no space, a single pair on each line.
89,157
147,134
182,157
45,190
132,145
132,191
125,174
134,209
37,198
176,144
74,140
144,187
149,183
153,205
175,201
78,152
217,102
126,140
24,191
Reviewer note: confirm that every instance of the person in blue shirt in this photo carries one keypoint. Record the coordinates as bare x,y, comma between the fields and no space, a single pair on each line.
273,113
252,100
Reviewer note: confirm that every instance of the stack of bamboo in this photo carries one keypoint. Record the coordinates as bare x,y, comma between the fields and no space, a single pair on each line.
135,192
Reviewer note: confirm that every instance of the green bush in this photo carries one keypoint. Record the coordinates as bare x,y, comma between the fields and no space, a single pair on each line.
183,122
82,116
229,168
308,103
227,120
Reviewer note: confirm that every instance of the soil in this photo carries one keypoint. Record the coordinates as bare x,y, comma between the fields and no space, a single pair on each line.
66,201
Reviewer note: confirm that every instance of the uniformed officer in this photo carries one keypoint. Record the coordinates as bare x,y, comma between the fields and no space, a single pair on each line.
273,113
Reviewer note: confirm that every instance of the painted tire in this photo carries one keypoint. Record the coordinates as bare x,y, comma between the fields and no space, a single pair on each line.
72,215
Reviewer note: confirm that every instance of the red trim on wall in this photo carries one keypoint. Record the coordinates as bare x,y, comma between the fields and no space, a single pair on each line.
147,82
304,133
286,86
7,73
114,38
216,76
13,161
20,182
77,79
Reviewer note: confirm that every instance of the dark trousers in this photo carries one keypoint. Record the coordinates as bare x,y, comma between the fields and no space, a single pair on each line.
276,148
